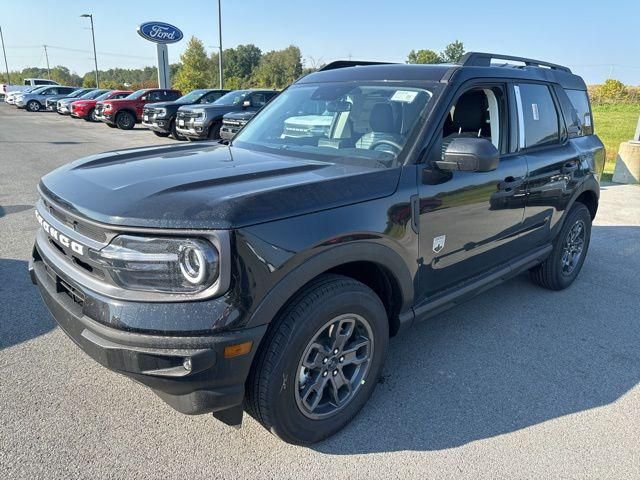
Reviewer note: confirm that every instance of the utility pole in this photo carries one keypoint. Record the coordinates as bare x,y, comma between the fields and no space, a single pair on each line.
6,65
46,55
220,45
93,37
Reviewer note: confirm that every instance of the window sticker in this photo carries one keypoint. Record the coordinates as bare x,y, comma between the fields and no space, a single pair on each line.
534,110
406,96
587,120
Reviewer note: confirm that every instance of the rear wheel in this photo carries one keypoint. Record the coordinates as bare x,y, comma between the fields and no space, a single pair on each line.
34,106
320,362
570,247
125,120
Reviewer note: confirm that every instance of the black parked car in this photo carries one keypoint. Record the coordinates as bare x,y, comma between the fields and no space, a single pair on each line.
233,122
271,273
160,117
51,104
199,122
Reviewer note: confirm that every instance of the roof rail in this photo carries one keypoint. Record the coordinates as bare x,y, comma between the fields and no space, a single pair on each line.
349,63
479,59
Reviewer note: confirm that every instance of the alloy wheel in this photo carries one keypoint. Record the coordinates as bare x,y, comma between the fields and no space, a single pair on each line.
333,366
573,247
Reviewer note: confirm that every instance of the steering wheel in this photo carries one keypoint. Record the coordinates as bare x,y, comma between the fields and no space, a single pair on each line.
391,143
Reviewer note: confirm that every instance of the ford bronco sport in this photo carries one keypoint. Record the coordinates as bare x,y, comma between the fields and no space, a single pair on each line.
269,274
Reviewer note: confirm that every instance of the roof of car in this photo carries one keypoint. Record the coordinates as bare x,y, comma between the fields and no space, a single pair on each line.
473,65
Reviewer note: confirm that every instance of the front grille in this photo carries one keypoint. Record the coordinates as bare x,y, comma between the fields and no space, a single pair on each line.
84,228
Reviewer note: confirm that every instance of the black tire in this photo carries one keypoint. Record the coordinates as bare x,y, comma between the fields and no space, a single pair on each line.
125,120
174,132
90,116
34,106
214,131
160,134
111,125
558,271
274,381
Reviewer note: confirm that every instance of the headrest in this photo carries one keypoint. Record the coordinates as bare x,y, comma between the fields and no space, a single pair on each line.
470,112
381,118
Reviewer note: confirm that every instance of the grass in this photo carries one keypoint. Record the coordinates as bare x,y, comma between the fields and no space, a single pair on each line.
614,124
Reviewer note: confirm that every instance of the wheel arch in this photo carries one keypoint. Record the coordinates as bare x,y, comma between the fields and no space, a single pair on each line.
375,265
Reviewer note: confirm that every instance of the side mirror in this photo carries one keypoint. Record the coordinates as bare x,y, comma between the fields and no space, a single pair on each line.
246,103
143,98
469,154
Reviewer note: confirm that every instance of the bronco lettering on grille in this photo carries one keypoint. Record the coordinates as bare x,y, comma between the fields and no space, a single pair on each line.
61,238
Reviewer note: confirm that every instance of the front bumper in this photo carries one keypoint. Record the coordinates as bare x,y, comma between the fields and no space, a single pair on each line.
162,125
194,130
227,132
213,383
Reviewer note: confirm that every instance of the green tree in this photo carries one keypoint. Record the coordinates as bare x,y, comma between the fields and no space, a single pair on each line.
241,61
453,52
194,72
279,68
611,91
423,56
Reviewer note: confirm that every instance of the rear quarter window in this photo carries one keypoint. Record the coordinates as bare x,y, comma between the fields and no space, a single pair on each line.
539,115
580,102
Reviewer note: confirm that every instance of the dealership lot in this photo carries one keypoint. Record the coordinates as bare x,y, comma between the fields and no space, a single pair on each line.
516,383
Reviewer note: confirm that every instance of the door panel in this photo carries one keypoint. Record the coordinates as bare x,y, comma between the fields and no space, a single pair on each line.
480,215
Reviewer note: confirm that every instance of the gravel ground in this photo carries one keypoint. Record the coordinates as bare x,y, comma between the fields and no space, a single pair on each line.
517,383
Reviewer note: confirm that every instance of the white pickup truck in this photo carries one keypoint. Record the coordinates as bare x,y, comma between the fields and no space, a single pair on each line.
5,89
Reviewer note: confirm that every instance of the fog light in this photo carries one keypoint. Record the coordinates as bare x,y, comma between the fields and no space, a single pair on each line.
187,364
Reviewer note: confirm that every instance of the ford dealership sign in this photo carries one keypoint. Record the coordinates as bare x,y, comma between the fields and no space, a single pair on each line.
160,32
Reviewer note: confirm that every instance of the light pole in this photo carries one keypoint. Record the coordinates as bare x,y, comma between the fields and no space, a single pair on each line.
93,37
220,45
6,65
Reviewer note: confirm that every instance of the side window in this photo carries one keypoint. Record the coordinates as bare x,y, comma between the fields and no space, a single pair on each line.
154,96
538,115
66,90
478,113
580,102
51,91
173,95
38,82
258,100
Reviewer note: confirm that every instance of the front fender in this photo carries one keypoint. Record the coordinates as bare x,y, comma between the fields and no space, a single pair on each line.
328,259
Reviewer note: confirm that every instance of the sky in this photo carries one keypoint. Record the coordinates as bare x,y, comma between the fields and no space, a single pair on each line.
595,39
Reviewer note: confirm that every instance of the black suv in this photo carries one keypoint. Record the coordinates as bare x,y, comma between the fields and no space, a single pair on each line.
199,122
271,272
160,117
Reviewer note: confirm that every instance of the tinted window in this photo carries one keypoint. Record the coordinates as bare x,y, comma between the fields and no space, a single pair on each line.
539,115
211,97
66,89
155,95
259,100
172,95
580,102
38,82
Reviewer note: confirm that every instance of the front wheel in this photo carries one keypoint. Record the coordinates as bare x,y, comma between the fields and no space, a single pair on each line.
34,106
175,134
91,116
570,247
320,361
214,131
125,120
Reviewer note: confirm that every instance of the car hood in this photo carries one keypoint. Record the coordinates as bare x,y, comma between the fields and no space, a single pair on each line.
208,186
244,115
174,103
209,106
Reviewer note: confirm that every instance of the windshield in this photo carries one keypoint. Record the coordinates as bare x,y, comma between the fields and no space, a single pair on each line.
192,96
136,94
104,96
232,98
371,122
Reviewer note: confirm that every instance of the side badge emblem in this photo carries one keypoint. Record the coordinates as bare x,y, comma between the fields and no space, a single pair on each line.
438,243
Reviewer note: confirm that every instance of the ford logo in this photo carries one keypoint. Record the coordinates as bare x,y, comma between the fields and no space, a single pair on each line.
160,32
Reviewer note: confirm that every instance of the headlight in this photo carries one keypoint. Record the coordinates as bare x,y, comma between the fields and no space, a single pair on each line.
161,112
160,264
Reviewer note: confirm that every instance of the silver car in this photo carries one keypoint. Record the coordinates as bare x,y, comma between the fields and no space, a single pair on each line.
35,101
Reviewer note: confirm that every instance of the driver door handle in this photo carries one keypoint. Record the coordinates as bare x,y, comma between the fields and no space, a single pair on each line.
510,183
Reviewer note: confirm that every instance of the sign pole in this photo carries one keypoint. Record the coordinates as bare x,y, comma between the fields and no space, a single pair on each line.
164,80
6,65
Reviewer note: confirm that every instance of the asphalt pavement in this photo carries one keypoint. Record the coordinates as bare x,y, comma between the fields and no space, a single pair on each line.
517,383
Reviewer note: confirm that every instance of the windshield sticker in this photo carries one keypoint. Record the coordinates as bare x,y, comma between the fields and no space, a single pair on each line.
536,113
406,96
587,120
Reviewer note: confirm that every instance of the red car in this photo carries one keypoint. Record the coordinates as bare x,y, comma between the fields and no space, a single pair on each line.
126,112
87,108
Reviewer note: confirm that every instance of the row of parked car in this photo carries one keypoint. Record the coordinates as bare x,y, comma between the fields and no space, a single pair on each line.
198,115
